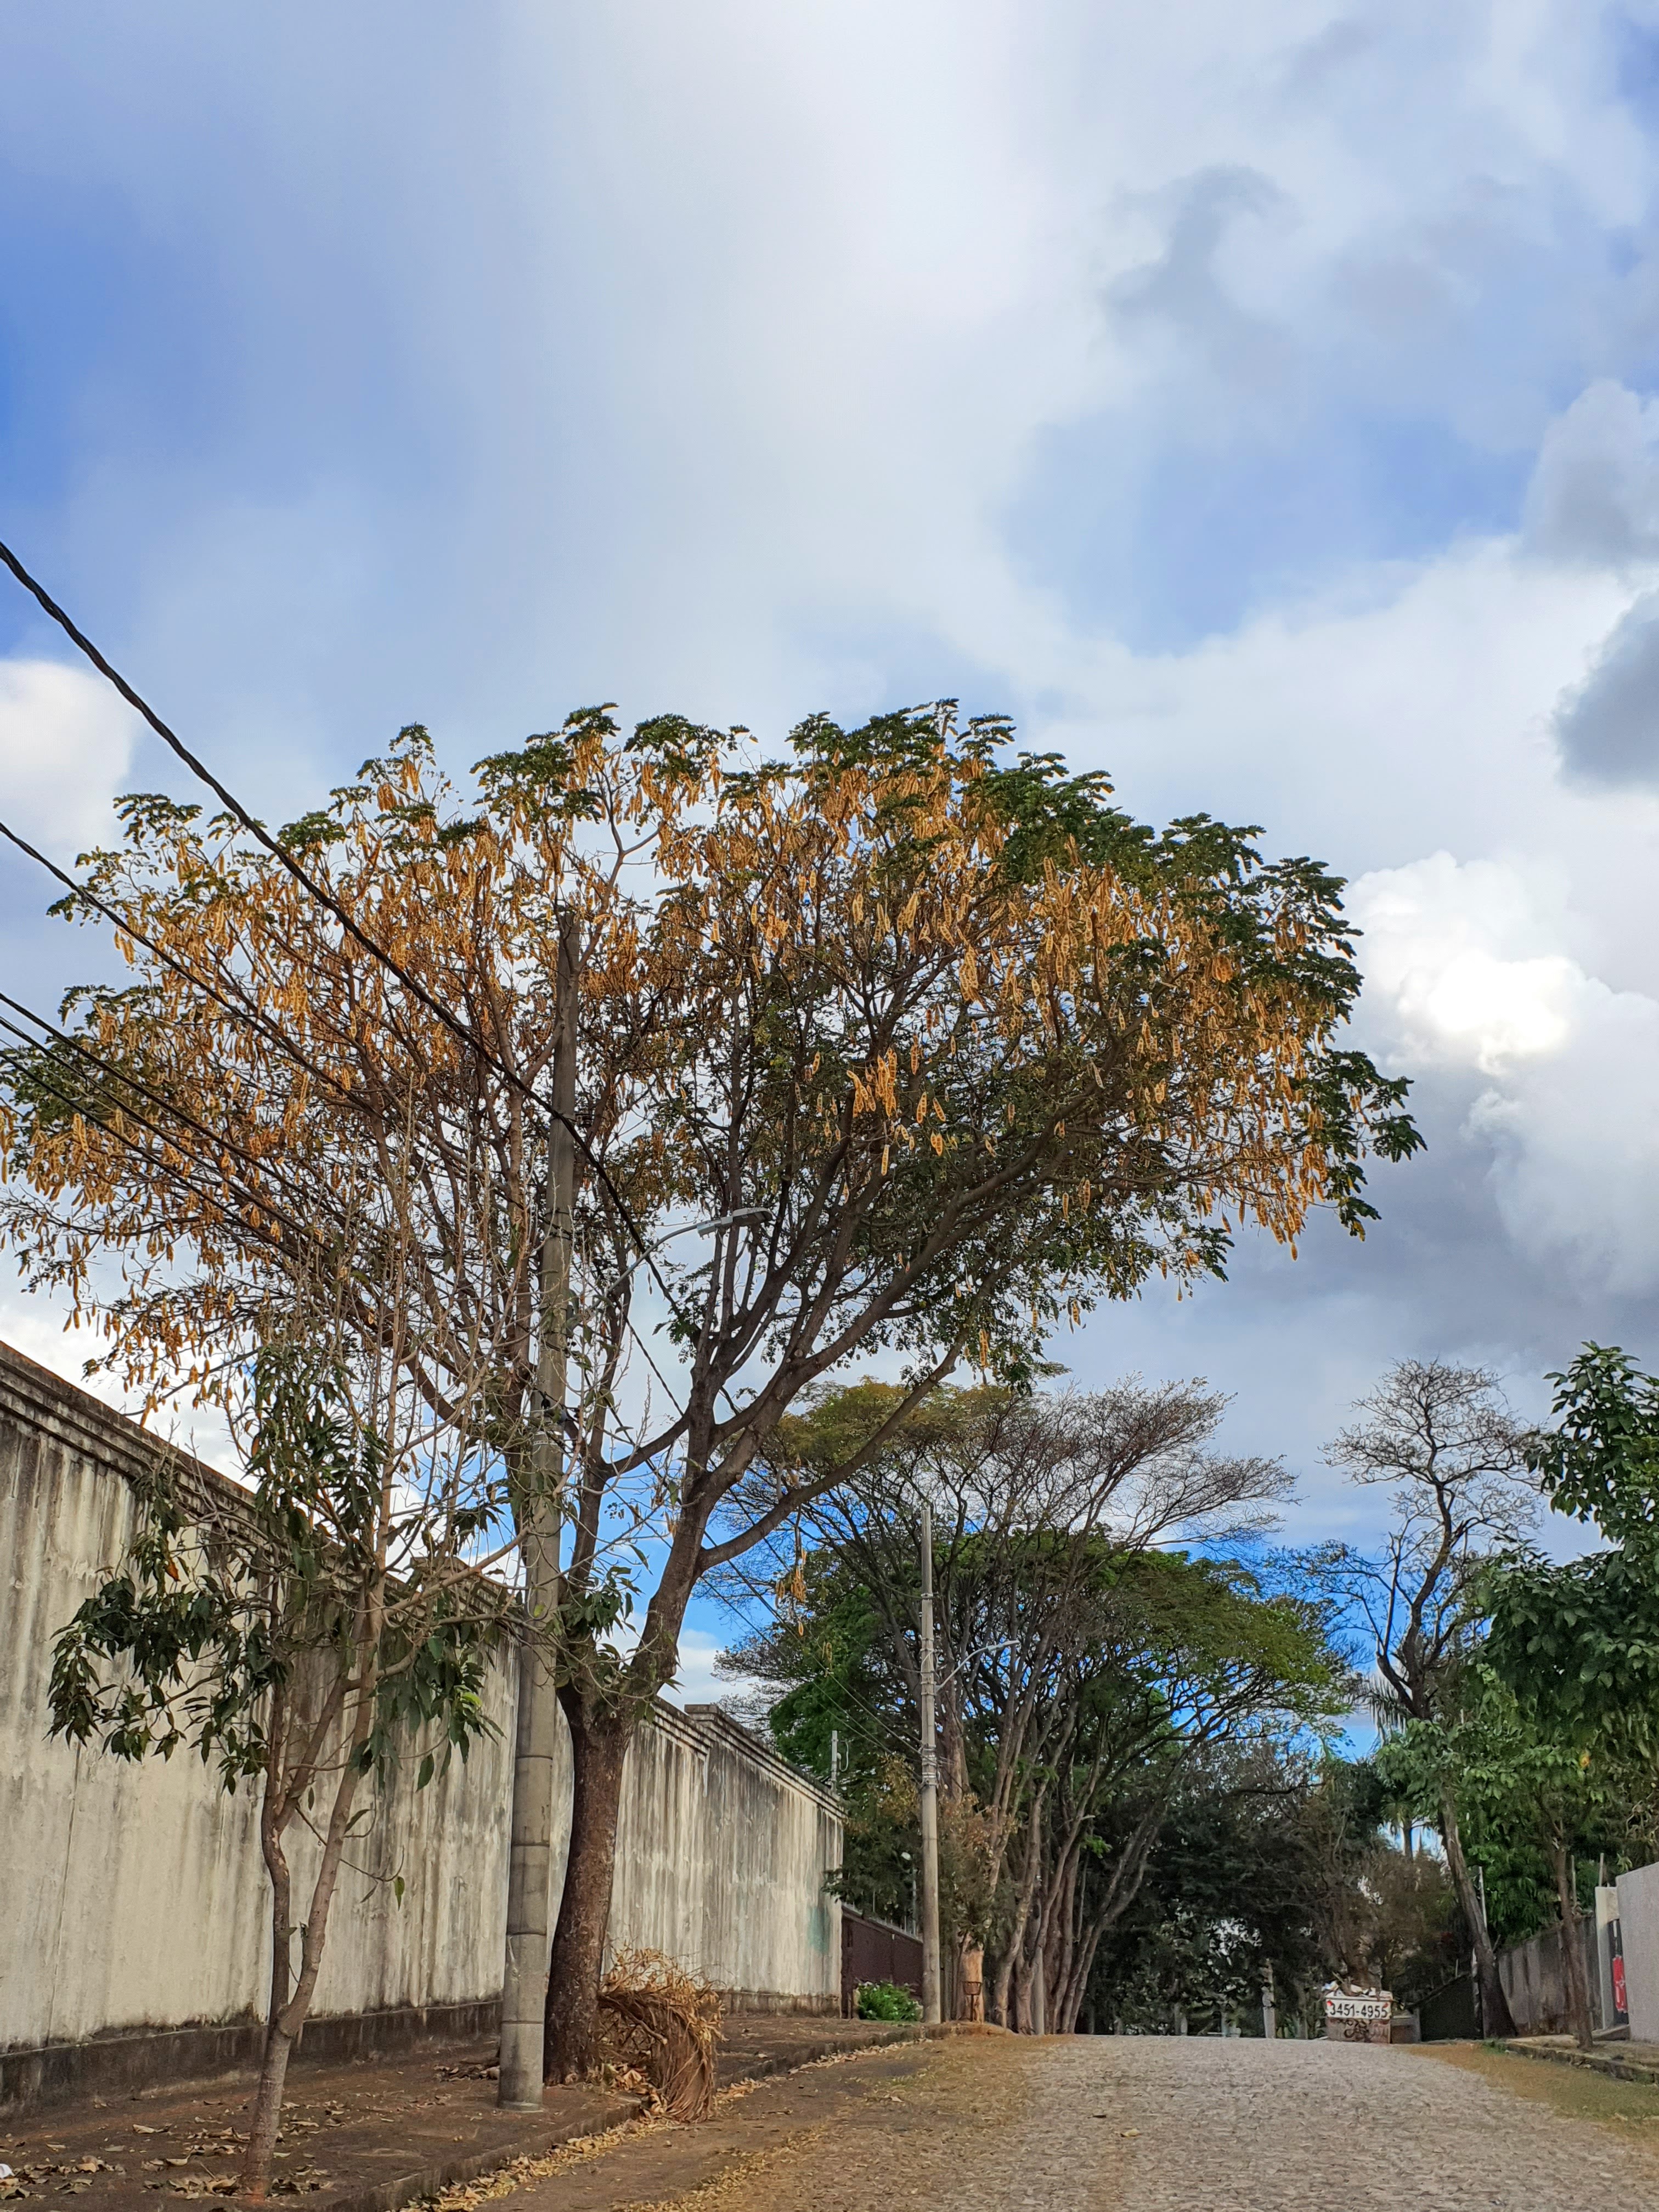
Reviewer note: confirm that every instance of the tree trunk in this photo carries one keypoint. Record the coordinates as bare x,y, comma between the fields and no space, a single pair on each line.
1496,2018
1572,1950
283,2031
267,2114
598,1746
1011,1960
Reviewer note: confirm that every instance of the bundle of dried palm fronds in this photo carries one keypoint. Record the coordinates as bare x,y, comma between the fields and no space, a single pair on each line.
661,2021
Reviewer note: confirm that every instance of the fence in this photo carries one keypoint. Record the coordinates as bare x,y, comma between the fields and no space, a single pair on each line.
135,1936
1452,2015
875,1951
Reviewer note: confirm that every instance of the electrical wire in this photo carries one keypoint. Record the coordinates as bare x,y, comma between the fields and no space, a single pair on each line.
223,1145
302,876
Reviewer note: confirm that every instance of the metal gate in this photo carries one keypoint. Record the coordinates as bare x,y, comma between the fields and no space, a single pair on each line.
876,1951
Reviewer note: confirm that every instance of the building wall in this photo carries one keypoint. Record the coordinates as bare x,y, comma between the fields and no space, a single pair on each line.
135,1898
1638,1928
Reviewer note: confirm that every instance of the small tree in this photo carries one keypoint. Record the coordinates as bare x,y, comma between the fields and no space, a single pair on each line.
1444,1441
1518,1786
1577,1645
295,1636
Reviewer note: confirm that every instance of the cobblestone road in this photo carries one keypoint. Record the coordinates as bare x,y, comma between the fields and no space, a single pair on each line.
1142,2124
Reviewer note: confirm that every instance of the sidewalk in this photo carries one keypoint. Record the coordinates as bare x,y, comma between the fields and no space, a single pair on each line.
365,2138
1624,2062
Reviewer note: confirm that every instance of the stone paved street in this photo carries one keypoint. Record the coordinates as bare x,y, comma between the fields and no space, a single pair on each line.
1140,2125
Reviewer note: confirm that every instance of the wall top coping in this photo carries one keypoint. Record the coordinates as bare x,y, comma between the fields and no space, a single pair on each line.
714,1723
43,1401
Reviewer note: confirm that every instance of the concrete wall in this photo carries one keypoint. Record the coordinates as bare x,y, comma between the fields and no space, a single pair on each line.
1638,1928
133,1899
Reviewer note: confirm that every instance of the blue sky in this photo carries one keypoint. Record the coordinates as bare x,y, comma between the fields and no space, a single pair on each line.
1259,403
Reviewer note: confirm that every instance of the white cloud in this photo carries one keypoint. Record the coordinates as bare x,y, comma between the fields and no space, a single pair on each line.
1459,977
707,368
696,1683
65,740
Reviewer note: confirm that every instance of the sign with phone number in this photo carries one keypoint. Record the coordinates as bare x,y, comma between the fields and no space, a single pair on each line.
1339,2006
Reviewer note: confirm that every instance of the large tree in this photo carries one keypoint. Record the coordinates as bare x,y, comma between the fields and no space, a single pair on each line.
932,1048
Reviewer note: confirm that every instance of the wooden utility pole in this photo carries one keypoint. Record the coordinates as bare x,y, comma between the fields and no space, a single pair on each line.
529,1871
930,1974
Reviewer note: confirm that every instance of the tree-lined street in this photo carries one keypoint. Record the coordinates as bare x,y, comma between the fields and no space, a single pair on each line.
1134,2123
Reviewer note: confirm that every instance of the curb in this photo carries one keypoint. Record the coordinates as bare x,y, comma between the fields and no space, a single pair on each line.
449,2174
472,2166
1591,2061
894,2031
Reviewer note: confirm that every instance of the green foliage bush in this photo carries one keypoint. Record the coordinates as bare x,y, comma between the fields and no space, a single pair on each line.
886,2001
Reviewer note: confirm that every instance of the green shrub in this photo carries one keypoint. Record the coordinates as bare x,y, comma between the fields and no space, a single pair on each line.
886,2001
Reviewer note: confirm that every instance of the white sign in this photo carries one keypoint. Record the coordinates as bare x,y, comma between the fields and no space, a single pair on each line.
1341,2004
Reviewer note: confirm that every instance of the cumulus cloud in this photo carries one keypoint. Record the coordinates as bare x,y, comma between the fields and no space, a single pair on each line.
510,368
1466,974
1608,726
65,740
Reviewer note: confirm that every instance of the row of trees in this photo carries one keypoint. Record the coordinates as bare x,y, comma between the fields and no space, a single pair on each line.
1097,1684
1144,1816
507,1161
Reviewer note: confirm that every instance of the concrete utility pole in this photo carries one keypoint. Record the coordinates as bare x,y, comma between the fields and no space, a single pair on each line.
930,1975
530,1866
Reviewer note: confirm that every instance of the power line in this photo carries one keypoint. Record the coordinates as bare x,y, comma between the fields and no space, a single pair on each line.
254,1016
206,1197
223,1144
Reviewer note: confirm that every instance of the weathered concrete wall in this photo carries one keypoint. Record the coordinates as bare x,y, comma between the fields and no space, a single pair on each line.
1639,1929
133,1899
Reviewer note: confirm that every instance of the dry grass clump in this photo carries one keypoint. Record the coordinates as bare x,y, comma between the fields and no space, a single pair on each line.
659,2021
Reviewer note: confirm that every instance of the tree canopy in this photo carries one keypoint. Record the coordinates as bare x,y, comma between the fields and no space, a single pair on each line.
898,1042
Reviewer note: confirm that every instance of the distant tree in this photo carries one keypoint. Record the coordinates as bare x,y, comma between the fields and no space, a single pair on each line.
1272,1863
1577,1645
1006,1472
1521,1789
1442,1439
1083,1670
